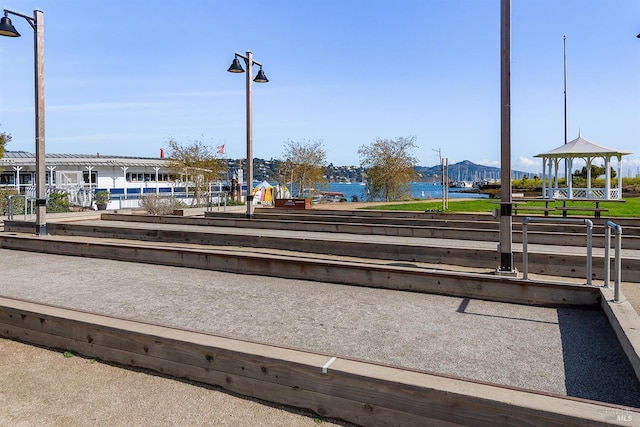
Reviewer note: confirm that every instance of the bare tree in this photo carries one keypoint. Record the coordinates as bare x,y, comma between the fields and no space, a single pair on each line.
306,162
199,165
284,172
390,167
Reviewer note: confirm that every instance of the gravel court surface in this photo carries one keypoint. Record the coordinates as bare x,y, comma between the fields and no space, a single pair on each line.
562,351
42,388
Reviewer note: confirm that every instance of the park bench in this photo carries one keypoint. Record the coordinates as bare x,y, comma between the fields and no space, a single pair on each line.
517,206
528,208
597,210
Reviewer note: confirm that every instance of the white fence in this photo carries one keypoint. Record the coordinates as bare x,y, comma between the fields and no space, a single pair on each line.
586,193
80,195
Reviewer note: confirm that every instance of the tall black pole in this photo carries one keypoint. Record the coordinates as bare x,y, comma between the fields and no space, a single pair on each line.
249,174
506,255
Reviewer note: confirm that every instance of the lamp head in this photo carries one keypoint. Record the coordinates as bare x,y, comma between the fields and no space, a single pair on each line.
235,67
7,28
261,77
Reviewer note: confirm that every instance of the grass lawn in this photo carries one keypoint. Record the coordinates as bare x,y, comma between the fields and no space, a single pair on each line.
630,208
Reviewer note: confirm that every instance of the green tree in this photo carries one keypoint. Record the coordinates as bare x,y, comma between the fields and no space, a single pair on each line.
305,162
596,171
199,165
5,138
390,167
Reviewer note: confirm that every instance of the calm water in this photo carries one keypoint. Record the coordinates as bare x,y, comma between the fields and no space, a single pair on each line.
420,190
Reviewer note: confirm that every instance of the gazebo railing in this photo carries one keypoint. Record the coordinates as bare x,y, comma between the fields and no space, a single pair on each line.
586,193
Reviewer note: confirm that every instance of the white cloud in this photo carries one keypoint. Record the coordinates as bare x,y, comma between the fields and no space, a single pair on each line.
525,162
630,161
486,162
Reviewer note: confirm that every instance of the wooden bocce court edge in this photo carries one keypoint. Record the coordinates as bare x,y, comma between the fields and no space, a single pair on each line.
625,324
468,285
566,265
355,391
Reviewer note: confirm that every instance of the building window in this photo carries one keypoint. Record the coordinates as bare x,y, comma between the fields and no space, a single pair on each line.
148,177
94,177
7,179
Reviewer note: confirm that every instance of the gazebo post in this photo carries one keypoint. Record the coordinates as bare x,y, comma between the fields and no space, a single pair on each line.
619,186
607,179
569,162
544,178
589,159
551,183
556,162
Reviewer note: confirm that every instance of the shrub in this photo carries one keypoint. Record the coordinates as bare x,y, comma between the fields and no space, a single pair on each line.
58,202
159,205
18,202
102,197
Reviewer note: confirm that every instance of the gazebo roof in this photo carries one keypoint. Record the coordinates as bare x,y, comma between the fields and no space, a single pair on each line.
580,147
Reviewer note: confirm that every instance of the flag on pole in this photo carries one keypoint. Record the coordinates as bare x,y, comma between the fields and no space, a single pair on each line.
220,149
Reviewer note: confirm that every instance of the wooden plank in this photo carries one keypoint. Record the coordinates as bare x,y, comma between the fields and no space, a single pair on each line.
355,391
581,208
534,208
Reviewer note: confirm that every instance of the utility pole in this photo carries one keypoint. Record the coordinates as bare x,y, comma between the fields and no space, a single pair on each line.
444,179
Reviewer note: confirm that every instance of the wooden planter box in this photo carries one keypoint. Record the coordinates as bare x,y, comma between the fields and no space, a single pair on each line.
293,203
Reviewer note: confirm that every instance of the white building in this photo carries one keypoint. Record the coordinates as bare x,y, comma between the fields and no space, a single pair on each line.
126,178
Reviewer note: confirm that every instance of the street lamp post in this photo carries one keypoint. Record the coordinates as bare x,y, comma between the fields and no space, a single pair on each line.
260,78
7,29
506,254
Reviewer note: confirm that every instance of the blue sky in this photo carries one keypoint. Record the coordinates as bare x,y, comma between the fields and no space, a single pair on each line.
123,77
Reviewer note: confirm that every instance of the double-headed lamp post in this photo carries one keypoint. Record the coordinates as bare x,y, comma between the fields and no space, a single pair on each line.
260,78
7,29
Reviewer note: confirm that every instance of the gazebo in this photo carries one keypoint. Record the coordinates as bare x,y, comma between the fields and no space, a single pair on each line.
580,148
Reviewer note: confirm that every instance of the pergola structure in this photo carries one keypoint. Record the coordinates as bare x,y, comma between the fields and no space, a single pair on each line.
580,148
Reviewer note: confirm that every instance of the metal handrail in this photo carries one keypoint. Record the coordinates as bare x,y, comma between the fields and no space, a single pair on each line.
525,256
609,225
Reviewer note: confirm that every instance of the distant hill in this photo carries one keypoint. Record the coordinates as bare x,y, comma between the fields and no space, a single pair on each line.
464,171
461,171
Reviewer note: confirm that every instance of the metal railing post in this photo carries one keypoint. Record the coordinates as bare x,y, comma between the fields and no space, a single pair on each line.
618,264
589,250
618,259
607,256
525,256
